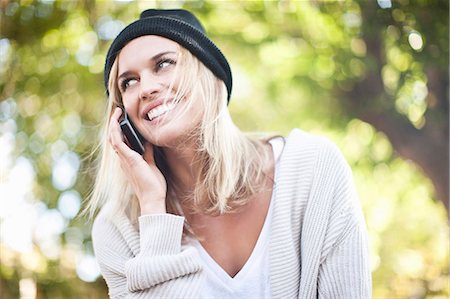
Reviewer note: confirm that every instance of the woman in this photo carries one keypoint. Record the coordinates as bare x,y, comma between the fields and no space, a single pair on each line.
207,211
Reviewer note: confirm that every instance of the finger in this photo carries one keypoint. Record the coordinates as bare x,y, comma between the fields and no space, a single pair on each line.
116,137
120,147
114,120
114,129
148,153
116,114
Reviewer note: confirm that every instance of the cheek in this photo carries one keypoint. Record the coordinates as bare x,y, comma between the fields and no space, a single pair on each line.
194,116
129,104
197,108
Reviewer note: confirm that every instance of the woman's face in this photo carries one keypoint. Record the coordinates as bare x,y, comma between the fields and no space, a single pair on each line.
146,70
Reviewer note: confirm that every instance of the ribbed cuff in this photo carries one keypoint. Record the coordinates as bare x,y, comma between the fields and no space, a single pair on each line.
160,234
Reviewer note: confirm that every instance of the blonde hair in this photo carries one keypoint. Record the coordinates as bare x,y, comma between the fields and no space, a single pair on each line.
232,163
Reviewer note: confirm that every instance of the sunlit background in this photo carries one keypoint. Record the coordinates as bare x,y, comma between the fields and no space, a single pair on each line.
372,77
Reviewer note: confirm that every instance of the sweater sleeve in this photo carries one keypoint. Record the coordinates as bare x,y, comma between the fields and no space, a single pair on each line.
161,268
345,273
344,270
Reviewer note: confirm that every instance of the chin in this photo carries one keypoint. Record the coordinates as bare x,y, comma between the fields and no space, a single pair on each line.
168,135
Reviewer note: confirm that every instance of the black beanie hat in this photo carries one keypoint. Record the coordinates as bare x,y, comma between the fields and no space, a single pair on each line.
180,26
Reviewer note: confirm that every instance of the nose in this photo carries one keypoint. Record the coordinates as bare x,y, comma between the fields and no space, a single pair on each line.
149,86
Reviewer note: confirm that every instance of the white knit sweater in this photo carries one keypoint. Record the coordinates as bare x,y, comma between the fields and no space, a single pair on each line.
317,248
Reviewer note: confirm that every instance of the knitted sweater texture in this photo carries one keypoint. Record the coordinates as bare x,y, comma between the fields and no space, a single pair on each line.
318,240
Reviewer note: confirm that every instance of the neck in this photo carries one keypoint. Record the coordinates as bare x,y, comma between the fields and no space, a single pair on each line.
183,168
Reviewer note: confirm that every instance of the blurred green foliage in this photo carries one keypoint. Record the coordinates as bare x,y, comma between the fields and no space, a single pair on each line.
369,76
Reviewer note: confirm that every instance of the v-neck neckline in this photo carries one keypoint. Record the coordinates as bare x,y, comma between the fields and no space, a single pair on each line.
261,243
258,250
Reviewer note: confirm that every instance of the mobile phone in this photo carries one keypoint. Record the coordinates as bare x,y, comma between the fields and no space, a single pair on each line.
132,135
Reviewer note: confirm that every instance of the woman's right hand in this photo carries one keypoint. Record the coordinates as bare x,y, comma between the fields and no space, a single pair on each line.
147,180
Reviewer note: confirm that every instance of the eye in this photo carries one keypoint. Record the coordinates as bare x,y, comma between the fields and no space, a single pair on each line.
164,63
127,83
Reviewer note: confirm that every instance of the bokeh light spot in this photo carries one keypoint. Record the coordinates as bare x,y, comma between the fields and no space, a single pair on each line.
87,268
69,204
65,171
415,40
107,28
384,3
27,287
5,50
8,109
72,125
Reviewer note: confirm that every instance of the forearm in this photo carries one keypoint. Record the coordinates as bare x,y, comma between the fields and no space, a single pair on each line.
160,267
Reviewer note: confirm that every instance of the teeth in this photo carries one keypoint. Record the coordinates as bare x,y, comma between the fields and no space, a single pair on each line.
160,110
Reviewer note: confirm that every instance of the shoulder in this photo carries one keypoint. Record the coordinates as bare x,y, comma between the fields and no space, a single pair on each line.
332,205
333,194
316,165
302,139
314,149
313,170
325,162
103,223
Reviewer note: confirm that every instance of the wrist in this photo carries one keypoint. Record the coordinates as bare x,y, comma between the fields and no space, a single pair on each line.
153,207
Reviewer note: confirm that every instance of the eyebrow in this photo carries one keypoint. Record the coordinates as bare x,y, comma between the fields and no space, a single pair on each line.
154,58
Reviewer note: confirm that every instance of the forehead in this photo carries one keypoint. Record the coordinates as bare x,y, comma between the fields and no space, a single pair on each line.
145,47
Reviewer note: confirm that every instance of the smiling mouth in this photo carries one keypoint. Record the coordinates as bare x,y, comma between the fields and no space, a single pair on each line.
160,110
